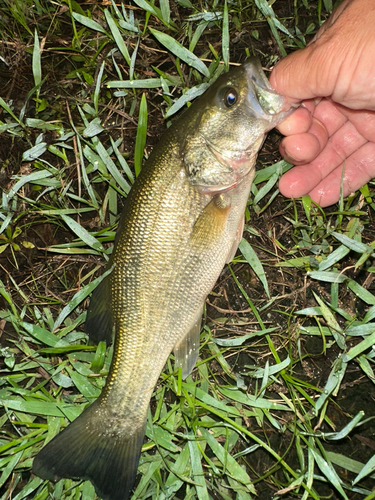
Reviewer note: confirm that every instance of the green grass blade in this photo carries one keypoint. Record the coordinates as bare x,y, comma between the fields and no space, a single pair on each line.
133,60
29,489
197,471
354,245
187,97
225,37
34,152
328,277
111,166
89,23
181,52
237,341
165,11
140,141
254,262
329,472
334,257
7,471
81,232
98,87
35,407
123,163
273,370
148,83
332,323
83,385
152,9
43,335
361,292
226,459
37,67
333,382
117,36
367,343
266,188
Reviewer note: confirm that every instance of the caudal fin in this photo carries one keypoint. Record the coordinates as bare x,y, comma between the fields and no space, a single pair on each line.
90,448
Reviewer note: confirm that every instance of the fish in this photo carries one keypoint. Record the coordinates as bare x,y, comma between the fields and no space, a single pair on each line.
181,223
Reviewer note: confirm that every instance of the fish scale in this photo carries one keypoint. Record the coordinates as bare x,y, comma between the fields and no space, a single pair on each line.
182,221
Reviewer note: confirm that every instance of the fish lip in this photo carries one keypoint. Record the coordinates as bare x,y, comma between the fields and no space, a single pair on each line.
263,101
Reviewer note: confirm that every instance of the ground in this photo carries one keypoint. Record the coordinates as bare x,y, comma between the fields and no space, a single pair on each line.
285,380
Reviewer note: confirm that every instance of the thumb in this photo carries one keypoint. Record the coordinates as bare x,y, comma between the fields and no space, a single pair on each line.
305,74
338,62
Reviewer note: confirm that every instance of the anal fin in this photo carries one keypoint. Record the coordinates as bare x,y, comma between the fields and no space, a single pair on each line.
236,241
186,351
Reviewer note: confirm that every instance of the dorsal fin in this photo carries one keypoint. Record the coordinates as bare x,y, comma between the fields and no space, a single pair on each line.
99,319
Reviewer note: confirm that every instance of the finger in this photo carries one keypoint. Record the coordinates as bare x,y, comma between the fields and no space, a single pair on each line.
298,122
359,168
331,115
299,181
303,179
364,121
299,147
303,148
340,146
328,113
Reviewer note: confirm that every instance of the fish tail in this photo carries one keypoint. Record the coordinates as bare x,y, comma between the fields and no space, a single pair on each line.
90,448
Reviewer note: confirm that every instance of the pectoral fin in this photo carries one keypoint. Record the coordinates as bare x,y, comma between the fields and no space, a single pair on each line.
211,224
187,350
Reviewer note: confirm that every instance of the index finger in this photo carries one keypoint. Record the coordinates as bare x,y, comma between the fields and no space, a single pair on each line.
299,121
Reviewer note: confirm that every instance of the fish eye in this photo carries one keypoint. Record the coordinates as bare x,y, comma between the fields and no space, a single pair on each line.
230,98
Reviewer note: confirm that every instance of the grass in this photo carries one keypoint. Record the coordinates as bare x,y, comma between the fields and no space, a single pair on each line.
281,402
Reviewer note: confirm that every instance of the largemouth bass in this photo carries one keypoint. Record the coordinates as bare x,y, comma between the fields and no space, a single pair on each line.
181,223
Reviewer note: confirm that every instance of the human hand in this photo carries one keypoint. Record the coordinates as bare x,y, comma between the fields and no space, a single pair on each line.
334,77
